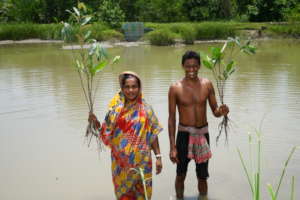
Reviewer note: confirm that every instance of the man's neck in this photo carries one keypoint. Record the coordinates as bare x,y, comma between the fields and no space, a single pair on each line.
192,80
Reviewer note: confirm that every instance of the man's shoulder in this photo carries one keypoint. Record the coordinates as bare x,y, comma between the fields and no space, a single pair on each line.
176,84
205,81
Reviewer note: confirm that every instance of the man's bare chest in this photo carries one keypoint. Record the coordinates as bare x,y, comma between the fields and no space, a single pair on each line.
192,96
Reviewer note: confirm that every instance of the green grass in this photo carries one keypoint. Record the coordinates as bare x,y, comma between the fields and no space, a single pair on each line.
186,31
217,30
28,31
164,33
52,32
108,34
285,30
161,37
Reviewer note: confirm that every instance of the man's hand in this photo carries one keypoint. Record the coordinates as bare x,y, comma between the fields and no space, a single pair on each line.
223,110
173,156
158,165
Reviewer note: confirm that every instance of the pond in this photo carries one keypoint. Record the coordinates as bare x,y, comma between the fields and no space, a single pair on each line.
43,115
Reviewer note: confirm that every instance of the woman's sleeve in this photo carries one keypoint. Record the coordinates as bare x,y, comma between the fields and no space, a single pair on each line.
106,130
155,126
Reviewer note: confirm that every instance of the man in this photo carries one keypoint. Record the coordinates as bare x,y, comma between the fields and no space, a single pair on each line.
190,96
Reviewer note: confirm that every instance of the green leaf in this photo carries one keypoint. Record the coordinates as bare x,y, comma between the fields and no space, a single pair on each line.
229,66
87,35
207,64
76,11
116,59
216,53
79,66
66,31
271,191
86,20
98,67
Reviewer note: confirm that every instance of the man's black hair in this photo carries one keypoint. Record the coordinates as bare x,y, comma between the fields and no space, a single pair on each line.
189,55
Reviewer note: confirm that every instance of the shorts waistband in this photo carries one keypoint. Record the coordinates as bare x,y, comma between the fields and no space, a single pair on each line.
193,130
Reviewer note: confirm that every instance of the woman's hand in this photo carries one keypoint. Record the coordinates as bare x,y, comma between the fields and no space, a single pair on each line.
93,119
158,165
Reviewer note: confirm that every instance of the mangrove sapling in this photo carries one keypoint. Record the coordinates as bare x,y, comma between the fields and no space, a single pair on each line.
222,65
88,62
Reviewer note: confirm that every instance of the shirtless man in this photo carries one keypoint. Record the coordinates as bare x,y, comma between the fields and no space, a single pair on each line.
190,96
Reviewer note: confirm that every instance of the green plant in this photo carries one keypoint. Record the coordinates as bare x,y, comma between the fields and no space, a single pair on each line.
186,31
216,30
161,37
222,67
108,34
90,61
254,177
111,13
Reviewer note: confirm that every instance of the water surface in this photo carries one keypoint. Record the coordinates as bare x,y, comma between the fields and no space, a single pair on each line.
44,155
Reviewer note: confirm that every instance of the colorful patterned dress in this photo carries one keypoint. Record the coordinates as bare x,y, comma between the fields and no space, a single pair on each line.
129,132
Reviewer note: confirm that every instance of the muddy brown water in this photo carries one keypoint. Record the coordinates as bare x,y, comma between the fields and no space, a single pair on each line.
43,153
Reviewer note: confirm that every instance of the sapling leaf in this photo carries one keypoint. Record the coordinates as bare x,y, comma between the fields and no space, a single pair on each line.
229,66
216,53
208,64
66,31
100,66
116,59
232,70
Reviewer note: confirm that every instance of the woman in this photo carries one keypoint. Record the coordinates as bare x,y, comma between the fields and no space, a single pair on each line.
130,129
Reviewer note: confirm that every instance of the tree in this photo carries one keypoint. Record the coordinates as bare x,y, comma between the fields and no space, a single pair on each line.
272,10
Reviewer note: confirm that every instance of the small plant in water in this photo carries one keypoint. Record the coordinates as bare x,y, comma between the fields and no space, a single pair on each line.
254,176
222,65
88,62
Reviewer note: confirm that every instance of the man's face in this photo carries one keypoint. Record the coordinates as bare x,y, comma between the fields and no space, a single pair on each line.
191,68
131,89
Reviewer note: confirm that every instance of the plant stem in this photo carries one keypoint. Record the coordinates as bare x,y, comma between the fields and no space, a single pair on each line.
284,169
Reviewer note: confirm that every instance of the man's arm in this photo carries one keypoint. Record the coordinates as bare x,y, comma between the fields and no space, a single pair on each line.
172,122
217,111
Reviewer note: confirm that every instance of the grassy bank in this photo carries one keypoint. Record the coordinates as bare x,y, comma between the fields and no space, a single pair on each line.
162,34
189,32
52,32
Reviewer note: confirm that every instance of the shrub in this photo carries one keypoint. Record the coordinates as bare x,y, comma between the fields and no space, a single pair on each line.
111,13
27,31
186,31
108,34
214,30
286,29
161,37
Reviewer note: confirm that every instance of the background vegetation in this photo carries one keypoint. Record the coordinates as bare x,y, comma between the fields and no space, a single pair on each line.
172,20
113,11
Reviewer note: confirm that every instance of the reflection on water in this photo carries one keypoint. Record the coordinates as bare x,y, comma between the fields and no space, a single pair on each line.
43,114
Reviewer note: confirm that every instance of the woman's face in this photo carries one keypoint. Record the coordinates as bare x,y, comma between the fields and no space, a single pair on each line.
131,89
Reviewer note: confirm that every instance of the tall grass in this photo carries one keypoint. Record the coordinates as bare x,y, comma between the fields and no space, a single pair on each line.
53,32
161,37
214,30
253,173
286,29
28,31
